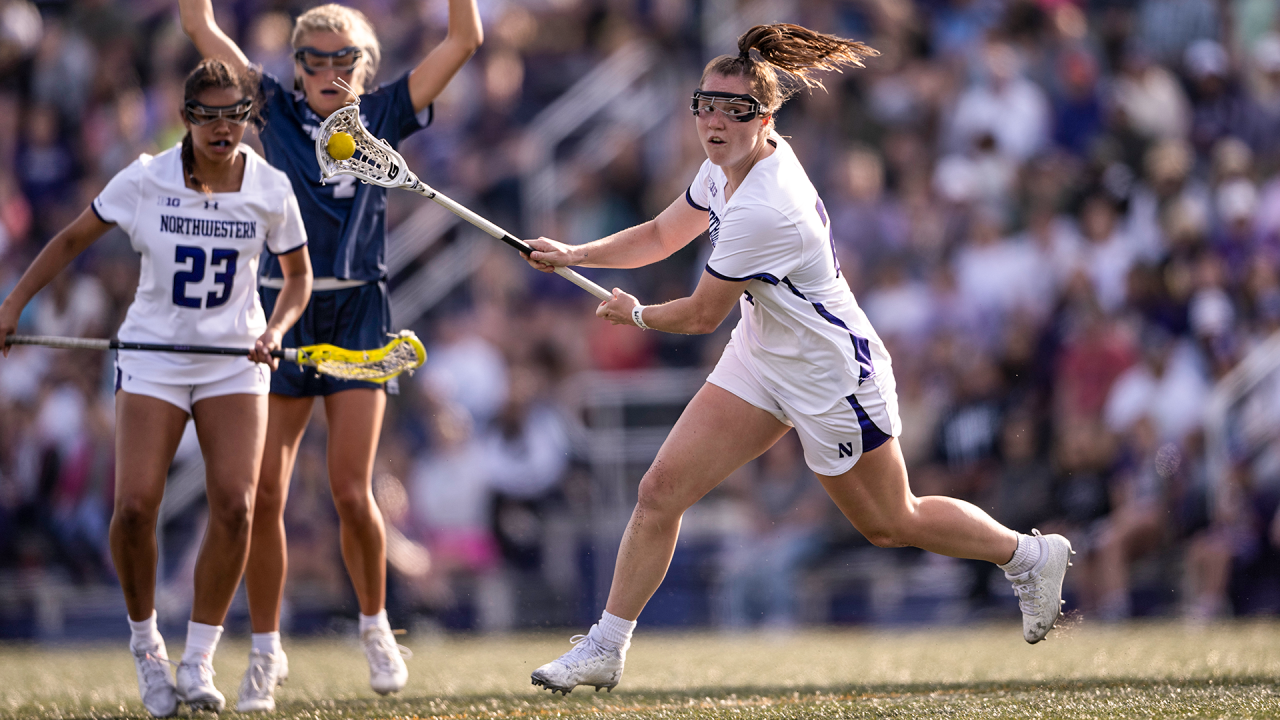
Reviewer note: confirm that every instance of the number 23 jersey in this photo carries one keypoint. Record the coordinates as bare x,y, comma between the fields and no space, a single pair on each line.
199,251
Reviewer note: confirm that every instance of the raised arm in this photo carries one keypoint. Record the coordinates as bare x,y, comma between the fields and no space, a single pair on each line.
199,25
634,247
61,250
430,77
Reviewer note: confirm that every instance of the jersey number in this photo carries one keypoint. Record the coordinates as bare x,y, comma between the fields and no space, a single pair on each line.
221,257
345,186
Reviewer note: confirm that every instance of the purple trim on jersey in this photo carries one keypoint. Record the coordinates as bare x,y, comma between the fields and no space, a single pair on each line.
689,198
93,206
872,436
762,277
119,378
861,345
292,249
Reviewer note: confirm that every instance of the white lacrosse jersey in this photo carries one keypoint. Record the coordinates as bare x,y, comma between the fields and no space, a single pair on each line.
805,336
198,284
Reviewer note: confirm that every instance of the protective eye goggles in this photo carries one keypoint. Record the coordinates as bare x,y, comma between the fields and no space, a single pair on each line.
313,60
739,108
237,113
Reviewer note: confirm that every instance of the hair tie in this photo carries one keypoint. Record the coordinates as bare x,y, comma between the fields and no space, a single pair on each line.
745,54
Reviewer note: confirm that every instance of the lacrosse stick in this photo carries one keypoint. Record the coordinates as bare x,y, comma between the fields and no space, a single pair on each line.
374,161
403,353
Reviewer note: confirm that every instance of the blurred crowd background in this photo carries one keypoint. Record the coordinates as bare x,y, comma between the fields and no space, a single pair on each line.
1063,217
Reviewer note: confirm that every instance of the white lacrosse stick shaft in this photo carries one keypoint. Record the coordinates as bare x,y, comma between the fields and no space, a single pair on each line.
376,162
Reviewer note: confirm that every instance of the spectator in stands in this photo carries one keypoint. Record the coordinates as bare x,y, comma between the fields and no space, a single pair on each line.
761,563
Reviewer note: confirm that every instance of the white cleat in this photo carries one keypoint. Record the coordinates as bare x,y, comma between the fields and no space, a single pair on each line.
155,683
387,671
590,662
195,687
258,688
1039,590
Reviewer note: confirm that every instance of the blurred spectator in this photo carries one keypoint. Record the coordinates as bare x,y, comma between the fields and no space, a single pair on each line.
47,170
1002,104
1165,27
1077,111
1139,521
1219,107
1167,386
1150,99
1107,251
761,564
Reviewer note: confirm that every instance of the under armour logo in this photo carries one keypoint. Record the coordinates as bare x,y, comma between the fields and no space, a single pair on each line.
846,449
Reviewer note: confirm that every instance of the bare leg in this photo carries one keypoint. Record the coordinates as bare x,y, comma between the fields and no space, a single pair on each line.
716,434
355,422
1131,533
232,429
268,565
876,498
147,435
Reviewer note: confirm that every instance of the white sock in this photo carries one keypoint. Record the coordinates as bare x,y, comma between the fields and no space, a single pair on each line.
144,633
379,620
615,631
1025,557
202,640
267,643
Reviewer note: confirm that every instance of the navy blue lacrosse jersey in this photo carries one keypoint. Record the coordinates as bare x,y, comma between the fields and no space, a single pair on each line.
345,219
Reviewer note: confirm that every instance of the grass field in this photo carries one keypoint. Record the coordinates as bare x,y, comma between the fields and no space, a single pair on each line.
1162,670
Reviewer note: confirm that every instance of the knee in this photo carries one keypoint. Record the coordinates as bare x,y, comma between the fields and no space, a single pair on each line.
135,513
887,532
353,501
657,499
232,513
269,501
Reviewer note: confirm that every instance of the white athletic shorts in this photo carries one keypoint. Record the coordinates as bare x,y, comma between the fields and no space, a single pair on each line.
253,380
833,440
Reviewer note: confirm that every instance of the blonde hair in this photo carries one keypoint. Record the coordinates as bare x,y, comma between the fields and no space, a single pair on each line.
342,19
792,49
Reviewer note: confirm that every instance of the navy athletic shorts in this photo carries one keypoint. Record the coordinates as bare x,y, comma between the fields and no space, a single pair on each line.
356,318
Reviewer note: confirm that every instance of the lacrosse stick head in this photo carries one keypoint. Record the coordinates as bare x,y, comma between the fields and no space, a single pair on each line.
372,161
404,353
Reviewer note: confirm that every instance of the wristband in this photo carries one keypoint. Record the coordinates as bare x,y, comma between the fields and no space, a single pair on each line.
637,316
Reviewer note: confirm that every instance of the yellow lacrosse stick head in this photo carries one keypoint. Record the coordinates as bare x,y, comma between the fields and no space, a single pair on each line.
404,353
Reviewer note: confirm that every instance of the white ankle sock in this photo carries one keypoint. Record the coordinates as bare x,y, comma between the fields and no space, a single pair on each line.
615,631
267,643
144,633
202,640
1025,557
379,620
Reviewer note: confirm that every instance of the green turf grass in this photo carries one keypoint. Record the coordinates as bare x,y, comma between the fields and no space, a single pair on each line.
1157,670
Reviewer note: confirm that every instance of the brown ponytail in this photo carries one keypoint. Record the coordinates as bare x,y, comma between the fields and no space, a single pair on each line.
792,49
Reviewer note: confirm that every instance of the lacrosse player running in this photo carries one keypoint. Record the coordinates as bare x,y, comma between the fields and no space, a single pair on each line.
346,223
199,214
803,356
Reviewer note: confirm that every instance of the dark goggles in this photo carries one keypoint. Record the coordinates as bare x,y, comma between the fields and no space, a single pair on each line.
313,60
237,113
739,108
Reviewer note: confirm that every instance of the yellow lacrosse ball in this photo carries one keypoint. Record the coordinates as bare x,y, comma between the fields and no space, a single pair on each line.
341,146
